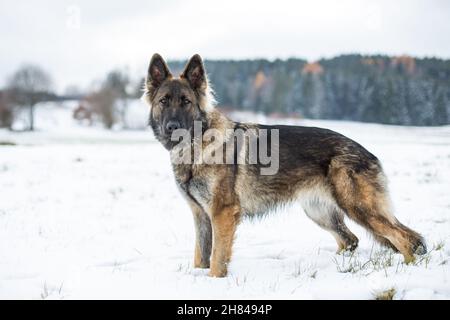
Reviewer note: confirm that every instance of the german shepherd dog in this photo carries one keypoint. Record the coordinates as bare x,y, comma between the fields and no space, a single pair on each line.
331,175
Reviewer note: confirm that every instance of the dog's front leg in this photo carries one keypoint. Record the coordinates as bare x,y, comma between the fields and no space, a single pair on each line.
203,236
224,223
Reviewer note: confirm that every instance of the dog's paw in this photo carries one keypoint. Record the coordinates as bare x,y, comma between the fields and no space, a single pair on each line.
217,273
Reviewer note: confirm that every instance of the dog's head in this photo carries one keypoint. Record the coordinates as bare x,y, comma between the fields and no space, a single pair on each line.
176,102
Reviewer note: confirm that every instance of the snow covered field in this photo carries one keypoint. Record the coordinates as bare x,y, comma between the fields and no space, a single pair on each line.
87,213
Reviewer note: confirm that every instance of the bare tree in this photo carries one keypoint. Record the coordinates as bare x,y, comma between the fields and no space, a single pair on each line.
6,110
28,86
118,81
102,103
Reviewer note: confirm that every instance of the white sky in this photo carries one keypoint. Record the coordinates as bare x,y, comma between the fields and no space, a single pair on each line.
79,41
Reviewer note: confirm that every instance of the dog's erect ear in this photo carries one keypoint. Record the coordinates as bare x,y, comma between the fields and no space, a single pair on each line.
158,71
195,74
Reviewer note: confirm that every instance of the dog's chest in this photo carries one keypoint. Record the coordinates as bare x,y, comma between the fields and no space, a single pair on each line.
194,185
200,190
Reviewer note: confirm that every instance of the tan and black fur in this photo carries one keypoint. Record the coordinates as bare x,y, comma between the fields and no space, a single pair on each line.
330,174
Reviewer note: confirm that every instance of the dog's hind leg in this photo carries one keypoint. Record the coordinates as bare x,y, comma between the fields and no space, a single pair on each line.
330,218
384,242
364,197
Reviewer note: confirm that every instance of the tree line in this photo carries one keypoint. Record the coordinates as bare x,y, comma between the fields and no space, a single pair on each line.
393,90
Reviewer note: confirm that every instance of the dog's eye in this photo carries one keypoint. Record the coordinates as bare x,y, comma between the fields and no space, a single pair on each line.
186,101
163,101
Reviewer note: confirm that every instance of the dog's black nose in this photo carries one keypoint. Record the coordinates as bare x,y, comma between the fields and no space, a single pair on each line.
171,126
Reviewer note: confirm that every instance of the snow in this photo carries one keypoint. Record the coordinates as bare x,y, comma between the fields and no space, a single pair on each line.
89,213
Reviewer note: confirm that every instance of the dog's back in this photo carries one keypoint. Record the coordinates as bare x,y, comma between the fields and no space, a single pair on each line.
305,156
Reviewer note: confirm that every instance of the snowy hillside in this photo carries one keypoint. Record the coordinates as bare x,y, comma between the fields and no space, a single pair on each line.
90,213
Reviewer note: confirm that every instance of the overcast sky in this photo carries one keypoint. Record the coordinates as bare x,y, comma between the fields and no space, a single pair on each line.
78,41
